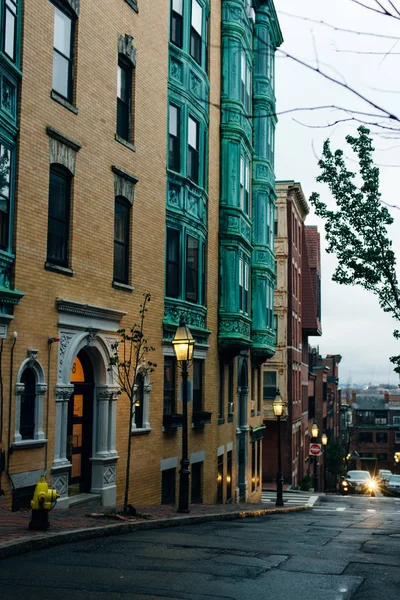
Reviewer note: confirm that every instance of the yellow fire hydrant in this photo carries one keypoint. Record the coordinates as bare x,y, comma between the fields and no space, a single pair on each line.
44,499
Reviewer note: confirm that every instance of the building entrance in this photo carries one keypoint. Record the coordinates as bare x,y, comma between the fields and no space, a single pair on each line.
80,425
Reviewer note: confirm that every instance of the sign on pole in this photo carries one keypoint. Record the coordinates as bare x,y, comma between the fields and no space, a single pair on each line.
315,449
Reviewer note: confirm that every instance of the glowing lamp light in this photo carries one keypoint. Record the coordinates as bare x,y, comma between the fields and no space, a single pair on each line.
324,439
278,404
183,342
314,430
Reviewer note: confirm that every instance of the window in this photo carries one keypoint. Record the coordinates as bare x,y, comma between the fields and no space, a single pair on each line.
276,328
397,437
177,23
169,385
193,150
59,216
381,438
244,185
245,85
168,486
5,182
174,141
258,476
365,437
243,286
220,478
124,101
396,420
192,269
229,477
276,275
275,221
230,390
197,385
28,399
173,263
121,239
382,456
365,417
196,480
10,28
139,401
63,54
269,385
196,31
380,417
203,274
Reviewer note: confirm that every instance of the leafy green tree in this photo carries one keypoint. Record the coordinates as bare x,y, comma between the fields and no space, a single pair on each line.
334,458
129,360
356,231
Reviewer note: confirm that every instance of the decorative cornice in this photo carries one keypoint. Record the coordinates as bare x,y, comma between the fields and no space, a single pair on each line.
89,310
124,174
63,139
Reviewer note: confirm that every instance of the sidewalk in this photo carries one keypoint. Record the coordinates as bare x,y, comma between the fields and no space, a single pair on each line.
75,524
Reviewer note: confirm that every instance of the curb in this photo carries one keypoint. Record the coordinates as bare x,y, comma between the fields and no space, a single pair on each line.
41,542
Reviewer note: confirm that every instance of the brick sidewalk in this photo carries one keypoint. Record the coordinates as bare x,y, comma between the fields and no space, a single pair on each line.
14,532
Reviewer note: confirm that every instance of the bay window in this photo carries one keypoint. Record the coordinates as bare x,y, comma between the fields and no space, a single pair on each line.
177,23
196,31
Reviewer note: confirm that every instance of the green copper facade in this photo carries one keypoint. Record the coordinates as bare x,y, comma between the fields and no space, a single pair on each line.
250,35
10,75
188,93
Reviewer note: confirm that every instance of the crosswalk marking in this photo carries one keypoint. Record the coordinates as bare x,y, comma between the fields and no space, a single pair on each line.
293,499
371,510
341,509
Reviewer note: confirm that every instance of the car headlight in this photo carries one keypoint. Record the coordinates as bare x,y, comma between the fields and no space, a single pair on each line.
372,485
344,483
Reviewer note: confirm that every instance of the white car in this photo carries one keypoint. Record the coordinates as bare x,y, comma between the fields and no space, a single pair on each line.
393,485
384,475
358,482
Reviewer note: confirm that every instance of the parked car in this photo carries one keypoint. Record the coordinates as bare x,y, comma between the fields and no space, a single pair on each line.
358,482
384,475
392,487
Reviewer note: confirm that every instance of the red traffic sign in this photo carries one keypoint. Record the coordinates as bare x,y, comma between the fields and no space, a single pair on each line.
315,449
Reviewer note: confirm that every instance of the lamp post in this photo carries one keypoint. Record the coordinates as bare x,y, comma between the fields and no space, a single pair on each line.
314,433
324,440
183,344
278,407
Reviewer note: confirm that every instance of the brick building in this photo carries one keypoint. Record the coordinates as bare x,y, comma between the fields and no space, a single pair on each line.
297,315
118,181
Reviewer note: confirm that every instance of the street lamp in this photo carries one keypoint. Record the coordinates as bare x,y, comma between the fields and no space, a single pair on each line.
278,407
314,433
183,344
324,440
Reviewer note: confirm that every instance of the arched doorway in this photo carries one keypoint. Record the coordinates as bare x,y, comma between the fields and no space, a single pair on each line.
80,424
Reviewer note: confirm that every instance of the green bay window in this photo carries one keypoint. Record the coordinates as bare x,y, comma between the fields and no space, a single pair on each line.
196,31
59,216
10,28
244,277
63,54
169,385
193,149
177,23
5,191
192,269
174,139
173,266
121,239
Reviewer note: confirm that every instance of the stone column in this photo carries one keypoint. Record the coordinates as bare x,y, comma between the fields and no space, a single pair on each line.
19,390
41,389
61,466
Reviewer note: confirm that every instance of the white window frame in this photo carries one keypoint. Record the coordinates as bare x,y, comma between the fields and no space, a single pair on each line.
242,177
41,388
146,404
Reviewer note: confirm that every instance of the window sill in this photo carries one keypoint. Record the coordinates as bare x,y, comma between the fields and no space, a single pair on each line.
135,432
26,444
125,143
221,420
57,98
133,5
58,269
124,287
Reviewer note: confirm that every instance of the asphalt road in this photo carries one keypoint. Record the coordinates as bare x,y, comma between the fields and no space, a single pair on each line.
341,548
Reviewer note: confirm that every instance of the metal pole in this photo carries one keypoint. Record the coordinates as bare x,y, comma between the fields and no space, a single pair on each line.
315,474
279,478
184,470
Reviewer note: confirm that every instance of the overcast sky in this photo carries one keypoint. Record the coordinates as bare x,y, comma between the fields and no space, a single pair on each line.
353,324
